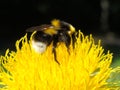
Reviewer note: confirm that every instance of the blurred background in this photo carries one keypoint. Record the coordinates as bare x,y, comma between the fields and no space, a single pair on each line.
99,17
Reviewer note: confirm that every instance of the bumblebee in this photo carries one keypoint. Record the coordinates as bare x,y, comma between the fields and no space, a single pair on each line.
55,32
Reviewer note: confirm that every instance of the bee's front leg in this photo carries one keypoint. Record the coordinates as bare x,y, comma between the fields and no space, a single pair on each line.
55,55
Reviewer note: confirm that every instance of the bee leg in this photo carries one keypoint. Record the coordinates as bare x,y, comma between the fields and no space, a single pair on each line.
68,46
67,41
74,39
55,56
54,50
68,49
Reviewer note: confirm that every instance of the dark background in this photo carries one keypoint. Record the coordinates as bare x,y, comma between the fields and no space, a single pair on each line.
18,15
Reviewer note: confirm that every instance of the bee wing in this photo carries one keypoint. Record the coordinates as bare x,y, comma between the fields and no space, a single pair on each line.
32,29
39,28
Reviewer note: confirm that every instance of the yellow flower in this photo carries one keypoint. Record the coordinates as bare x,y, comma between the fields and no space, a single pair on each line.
87,67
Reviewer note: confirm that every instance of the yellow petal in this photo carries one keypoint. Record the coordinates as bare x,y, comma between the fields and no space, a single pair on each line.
87,67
